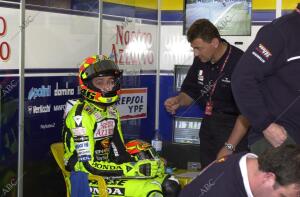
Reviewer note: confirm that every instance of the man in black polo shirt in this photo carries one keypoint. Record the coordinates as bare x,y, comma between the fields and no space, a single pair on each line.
208,83
276,173
266,84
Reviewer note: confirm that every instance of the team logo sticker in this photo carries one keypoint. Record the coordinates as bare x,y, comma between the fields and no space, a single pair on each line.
262,53
78,120
105,128
79,131
226,80
200,75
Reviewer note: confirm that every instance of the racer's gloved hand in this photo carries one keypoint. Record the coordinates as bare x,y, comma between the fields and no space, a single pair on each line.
145,167
129,169
161,167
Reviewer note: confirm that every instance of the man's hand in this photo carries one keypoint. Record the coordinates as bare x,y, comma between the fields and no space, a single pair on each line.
223,152
275,134
172,104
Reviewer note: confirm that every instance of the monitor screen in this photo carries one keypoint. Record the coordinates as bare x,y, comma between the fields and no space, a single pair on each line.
231,17
186,130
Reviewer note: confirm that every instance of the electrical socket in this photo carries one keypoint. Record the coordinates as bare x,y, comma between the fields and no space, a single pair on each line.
193,166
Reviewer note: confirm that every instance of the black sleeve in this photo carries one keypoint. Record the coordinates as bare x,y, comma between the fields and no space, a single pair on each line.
261,59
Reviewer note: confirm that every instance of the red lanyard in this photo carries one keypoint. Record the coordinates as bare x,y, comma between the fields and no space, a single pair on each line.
220,73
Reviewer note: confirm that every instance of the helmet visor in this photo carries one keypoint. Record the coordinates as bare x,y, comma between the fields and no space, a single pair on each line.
105,83
102,68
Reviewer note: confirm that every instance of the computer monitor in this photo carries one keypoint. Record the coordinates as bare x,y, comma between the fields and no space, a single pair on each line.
231,17
186,130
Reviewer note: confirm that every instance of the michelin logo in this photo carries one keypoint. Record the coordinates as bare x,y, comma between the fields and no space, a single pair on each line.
63,92
39,92
39,109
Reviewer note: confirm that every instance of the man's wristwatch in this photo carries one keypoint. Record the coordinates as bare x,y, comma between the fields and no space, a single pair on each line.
229,146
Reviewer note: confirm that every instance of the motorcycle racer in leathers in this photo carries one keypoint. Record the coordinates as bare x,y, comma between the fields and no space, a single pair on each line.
93,140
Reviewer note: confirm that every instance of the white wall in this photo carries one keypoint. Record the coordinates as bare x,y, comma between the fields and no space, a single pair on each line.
55,40
176,50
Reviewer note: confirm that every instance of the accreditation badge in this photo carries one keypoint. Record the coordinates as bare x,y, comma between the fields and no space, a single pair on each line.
209,108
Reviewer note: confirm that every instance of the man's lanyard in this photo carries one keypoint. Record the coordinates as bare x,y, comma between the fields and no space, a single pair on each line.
212,91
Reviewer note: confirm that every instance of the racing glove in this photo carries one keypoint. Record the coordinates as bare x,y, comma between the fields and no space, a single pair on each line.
149,168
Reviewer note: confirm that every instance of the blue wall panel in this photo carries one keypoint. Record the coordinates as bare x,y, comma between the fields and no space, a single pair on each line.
167,89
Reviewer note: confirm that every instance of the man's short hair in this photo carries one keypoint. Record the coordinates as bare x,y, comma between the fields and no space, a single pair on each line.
284,162
204,29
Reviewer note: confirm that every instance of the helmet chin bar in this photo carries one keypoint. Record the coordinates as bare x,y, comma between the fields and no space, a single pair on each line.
95,66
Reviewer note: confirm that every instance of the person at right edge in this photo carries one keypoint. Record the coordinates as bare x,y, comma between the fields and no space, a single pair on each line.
208,83
275,173
266,84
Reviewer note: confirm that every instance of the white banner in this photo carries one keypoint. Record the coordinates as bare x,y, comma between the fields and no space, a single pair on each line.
131,43
55,40
9,38
133,103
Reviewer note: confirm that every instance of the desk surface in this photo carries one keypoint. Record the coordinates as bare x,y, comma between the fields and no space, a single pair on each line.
185,176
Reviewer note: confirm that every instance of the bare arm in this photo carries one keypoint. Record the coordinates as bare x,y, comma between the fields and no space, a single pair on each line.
184,99
173,103
239,131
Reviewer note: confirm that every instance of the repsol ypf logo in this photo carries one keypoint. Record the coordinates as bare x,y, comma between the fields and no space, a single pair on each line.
39,92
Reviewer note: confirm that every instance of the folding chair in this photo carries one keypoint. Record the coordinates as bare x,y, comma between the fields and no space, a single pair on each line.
57,150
